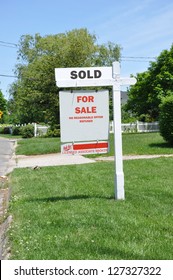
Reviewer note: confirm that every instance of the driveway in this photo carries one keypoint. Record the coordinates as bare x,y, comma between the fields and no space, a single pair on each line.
6,156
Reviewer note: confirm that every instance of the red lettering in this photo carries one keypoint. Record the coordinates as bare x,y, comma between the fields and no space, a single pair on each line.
94,110
83,110
90,98
79,98
85,98
86,110
77,110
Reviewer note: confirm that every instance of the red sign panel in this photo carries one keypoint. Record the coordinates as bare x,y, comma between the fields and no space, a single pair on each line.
85,148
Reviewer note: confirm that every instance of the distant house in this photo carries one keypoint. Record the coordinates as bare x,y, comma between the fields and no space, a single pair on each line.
124,97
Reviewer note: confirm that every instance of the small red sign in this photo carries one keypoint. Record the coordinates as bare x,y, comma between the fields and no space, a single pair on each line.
85,148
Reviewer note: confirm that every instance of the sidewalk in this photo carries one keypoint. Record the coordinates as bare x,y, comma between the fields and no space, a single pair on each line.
50,160
9,161
132,157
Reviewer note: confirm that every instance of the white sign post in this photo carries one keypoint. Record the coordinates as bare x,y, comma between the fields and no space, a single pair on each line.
119,174
102,76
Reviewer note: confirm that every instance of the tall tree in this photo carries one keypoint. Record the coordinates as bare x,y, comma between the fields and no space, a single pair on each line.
3,107
146,95
34,97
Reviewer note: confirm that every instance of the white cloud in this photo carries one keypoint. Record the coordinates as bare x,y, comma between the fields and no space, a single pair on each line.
140,26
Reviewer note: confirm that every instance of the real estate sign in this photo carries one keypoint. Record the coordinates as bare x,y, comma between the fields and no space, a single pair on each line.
84,115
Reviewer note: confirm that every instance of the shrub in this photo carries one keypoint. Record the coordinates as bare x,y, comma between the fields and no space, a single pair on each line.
7,130
166,119
53,133
27,131
16,130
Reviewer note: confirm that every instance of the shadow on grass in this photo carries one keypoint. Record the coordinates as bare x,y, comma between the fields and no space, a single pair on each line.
160,145
68,198
119,254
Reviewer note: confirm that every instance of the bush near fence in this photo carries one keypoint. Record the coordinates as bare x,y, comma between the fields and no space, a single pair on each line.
39,130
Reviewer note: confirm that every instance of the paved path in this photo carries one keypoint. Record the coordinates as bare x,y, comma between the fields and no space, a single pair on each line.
58,159
6,156
132,157
50,160
9,161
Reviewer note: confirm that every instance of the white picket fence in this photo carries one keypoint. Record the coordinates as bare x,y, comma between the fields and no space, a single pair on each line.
137,127
125,127
38,129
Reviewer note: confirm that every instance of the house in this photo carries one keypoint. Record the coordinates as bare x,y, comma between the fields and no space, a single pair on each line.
124,97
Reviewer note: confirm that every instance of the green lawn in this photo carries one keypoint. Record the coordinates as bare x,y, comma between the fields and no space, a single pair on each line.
69,212
145,144
36,146
133,143
9,136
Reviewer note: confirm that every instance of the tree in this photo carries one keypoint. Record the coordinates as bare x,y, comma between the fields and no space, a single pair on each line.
166,118
152,85
34,96
107,54
3,107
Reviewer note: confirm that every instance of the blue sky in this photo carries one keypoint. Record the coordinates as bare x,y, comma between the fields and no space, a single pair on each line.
142,28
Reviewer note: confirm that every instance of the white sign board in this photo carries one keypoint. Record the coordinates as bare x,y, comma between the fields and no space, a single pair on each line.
84,115
82,77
